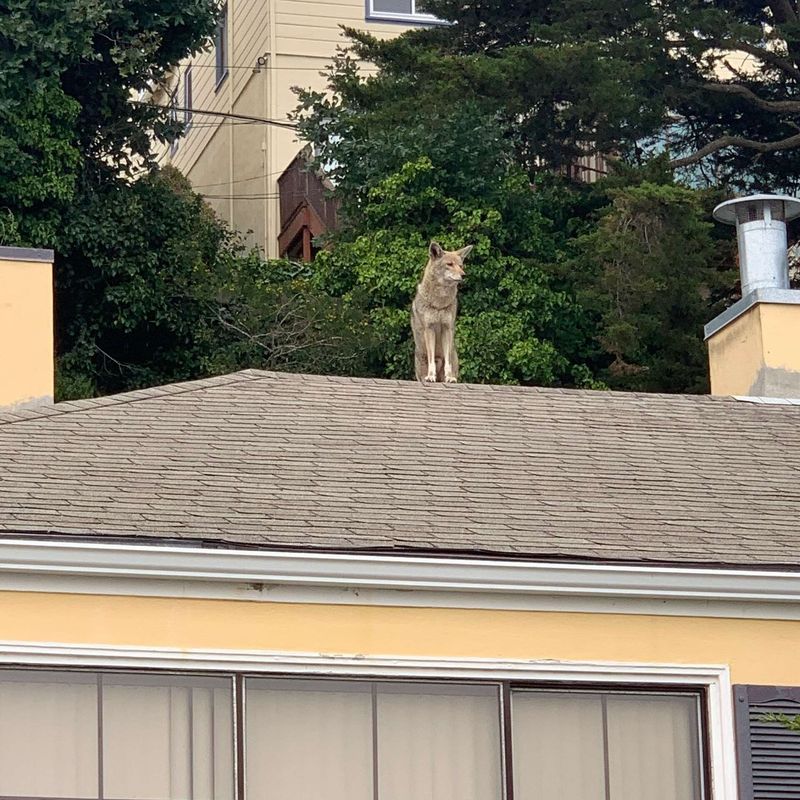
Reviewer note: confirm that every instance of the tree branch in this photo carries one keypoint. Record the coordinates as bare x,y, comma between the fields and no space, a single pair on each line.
778,106
736,141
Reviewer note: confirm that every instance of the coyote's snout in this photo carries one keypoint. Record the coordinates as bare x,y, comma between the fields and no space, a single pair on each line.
433,315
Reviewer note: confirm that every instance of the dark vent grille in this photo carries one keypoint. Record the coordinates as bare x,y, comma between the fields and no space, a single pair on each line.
769,754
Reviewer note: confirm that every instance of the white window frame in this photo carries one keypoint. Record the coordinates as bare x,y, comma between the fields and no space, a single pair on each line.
715,680
415,17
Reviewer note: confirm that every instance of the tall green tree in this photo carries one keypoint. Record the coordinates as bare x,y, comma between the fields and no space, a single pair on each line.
150,286
515,323
715,84
153,288
571,283
70,69
650,273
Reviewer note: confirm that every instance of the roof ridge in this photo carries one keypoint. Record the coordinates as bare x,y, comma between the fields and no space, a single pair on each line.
133,396
252,374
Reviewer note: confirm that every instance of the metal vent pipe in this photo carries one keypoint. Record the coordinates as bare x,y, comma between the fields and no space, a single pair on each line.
760,221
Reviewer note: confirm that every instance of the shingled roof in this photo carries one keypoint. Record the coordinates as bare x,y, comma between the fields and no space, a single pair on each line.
264,459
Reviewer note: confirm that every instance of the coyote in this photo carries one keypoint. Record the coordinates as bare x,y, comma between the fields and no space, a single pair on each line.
433,315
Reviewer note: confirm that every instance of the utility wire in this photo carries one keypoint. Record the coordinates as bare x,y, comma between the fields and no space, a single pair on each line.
274,196
241,180
224,114
264,68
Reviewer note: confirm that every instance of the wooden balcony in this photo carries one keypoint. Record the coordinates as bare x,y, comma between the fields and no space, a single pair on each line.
306,209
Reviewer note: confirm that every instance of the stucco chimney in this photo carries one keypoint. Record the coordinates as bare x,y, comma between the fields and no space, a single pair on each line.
26,327
754,346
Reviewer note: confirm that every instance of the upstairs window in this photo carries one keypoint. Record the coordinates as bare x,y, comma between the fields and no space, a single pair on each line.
221,45
187,98
173,118
399,11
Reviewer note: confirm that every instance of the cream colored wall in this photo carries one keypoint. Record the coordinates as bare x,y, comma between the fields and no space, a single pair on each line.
735,354
757,651
779,325
297,39
757,353
26,331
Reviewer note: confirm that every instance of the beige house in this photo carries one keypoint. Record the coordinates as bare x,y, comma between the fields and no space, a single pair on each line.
263,48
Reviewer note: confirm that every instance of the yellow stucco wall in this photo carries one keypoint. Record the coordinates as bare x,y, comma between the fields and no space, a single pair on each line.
758,651
757,352
736,354
26,332
779,326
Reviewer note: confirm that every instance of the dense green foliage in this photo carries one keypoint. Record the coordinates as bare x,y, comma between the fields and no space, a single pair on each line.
650,273
153,289
516,323
627,78
150,286
569,284
69,68
465,133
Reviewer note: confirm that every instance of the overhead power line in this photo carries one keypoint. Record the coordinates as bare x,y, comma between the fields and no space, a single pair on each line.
267,67
223,114
240,180
273,196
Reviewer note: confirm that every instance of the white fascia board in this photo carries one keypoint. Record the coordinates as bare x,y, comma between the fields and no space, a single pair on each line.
351,571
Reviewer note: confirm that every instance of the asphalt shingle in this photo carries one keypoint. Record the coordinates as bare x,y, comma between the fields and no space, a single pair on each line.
277,460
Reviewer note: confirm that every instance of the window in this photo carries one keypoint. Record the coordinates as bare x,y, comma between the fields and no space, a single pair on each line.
366,740
148,736
115,736
399,11
187,98
173,119
221,45
605,746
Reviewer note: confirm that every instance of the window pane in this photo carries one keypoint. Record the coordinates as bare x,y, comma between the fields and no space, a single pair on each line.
563,742
438,742
167,738
221,43
48,734
187,96
653,748
558,746
392,6
308,739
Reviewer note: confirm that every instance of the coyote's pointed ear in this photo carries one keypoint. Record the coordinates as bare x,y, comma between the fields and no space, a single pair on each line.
435,250
465,251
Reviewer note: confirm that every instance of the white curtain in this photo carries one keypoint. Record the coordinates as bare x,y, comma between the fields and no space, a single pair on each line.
438,742
48,734
308,740
644,747
653,748
314,740
558,746
167,739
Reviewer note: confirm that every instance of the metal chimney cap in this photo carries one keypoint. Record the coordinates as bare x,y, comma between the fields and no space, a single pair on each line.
726,212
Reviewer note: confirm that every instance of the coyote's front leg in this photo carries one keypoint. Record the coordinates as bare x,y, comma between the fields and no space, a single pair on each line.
430,352
450,369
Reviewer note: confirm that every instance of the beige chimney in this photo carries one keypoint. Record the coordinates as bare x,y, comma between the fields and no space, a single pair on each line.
26,327
754,346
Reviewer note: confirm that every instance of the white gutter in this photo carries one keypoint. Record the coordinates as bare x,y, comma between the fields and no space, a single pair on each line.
263,569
